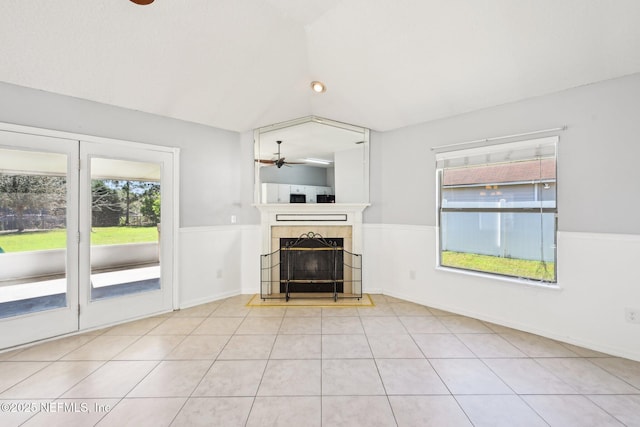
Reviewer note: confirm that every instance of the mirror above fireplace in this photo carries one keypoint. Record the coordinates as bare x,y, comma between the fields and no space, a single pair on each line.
326,160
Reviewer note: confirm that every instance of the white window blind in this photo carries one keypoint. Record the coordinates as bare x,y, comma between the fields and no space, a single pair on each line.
498,153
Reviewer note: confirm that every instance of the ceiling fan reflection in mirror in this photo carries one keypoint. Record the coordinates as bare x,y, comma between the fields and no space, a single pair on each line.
278,161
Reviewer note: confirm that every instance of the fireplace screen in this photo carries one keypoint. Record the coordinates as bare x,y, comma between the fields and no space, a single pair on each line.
311,264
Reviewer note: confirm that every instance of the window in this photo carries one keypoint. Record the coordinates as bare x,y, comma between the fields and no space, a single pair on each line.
498,210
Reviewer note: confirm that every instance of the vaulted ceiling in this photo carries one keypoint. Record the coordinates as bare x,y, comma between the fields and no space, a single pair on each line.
242,64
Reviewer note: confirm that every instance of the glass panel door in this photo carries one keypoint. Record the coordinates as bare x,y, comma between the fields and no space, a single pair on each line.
38,237
125,200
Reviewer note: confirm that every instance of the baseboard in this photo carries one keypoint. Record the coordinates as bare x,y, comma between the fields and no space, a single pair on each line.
208,299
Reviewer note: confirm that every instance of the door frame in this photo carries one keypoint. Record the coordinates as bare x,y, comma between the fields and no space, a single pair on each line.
75,138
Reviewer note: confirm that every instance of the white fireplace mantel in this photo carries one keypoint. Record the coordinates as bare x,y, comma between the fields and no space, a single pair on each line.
310,215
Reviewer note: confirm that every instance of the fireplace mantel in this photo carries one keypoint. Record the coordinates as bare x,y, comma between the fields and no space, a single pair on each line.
310,215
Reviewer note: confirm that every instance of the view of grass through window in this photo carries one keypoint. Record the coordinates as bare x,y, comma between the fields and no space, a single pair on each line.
507,266
33,212
57,239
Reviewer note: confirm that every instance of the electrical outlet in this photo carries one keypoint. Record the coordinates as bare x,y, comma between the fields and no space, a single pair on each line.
219,274
412,274
632,315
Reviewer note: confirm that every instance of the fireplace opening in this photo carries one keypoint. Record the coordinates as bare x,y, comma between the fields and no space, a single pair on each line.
312,265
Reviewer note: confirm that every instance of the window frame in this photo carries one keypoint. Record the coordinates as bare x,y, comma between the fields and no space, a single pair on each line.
440,210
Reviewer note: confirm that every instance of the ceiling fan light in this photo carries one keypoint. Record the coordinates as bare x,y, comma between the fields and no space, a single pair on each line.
318,87
142,2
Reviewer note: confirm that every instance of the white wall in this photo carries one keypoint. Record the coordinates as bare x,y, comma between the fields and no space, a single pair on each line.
350,176
587,310
217,262
597,156
599,233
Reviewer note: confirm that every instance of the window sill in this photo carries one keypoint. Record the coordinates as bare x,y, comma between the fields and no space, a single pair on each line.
525,282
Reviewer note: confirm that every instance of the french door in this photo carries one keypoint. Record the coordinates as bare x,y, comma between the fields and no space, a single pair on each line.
86,233
126,223
38,243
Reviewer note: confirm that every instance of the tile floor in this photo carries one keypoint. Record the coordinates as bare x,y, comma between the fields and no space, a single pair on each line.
398,363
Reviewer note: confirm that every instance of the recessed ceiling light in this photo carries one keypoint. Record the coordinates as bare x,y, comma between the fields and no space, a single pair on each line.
142,2
318,87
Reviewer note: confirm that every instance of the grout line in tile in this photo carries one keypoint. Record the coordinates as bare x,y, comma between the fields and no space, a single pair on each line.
322,358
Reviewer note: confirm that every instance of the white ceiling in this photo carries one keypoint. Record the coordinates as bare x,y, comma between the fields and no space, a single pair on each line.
243,64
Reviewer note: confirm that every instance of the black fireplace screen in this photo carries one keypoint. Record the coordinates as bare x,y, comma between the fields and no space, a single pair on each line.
311,264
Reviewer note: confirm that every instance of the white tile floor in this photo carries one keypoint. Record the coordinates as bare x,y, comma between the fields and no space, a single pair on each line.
398,363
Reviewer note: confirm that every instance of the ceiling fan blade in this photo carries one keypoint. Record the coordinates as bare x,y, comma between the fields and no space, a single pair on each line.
279,161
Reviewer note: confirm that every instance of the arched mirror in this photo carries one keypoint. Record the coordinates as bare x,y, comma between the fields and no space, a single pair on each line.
311,160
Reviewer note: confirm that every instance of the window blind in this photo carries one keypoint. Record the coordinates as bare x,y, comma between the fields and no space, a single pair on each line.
498,153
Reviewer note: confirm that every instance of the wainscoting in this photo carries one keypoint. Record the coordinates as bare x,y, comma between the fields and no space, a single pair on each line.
217,262
597,280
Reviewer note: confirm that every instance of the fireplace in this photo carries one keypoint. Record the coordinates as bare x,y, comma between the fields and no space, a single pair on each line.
311,263
291,221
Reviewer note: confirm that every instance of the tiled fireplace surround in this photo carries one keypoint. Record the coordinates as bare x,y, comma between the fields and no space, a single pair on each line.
328,220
